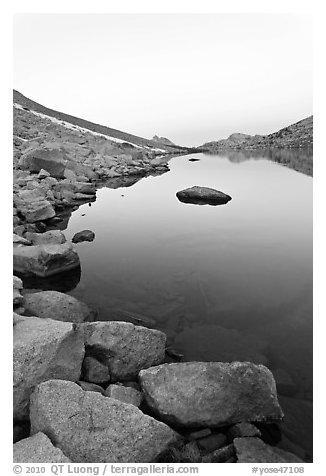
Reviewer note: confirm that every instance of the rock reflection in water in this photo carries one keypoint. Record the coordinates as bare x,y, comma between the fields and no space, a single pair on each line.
63,282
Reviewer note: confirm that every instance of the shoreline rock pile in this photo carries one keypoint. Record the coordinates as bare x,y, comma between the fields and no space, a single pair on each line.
103,392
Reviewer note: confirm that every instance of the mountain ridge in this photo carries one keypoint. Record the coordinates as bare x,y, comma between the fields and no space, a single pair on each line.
297,135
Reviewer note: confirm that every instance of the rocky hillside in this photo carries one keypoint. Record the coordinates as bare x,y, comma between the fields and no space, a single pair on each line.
296,135
163,140
112,134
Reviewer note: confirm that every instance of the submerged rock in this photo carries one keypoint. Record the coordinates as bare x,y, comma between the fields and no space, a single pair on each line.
38,449
203,196
45,260
58,306
124,348
213,394
91,428
43,349
85,235
254,450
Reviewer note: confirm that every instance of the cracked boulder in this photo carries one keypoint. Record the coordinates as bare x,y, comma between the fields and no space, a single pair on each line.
43,349
91,428
124,348
211,394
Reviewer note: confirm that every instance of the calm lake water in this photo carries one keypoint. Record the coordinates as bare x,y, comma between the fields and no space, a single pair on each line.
224,282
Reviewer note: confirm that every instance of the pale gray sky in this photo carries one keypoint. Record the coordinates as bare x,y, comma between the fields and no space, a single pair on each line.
191,78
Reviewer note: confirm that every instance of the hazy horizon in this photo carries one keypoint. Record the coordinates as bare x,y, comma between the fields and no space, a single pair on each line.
191,78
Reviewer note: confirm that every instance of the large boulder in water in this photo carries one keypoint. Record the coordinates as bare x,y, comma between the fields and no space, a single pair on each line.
91,428
58,306
211,394
38,449
43,349
203,196
254,450
124,348
45,260
51,160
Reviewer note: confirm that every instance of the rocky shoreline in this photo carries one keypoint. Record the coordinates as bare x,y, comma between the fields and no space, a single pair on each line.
90,391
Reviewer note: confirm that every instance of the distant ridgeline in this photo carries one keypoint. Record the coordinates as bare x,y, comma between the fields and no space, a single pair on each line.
298,135
157,143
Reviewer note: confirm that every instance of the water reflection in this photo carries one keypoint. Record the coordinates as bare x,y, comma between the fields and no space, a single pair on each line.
300,160
222,282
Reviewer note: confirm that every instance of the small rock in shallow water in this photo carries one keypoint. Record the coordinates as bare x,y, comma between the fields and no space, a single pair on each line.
85,235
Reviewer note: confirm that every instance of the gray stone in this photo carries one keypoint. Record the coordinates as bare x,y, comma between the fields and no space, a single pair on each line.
222,455
18,299
213,394
203,196
43,349
124,394
35,210
51,160
95,372
19,240
85,235
91,428
55,237
85,187
242,430
125,348
43,174
254,450
58,306
38,449
45,260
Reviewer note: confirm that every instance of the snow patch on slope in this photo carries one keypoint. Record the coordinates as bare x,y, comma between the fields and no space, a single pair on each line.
83,130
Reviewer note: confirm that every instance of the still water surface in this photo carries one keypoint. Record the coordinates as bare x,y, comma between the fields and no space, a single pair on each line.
227,282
